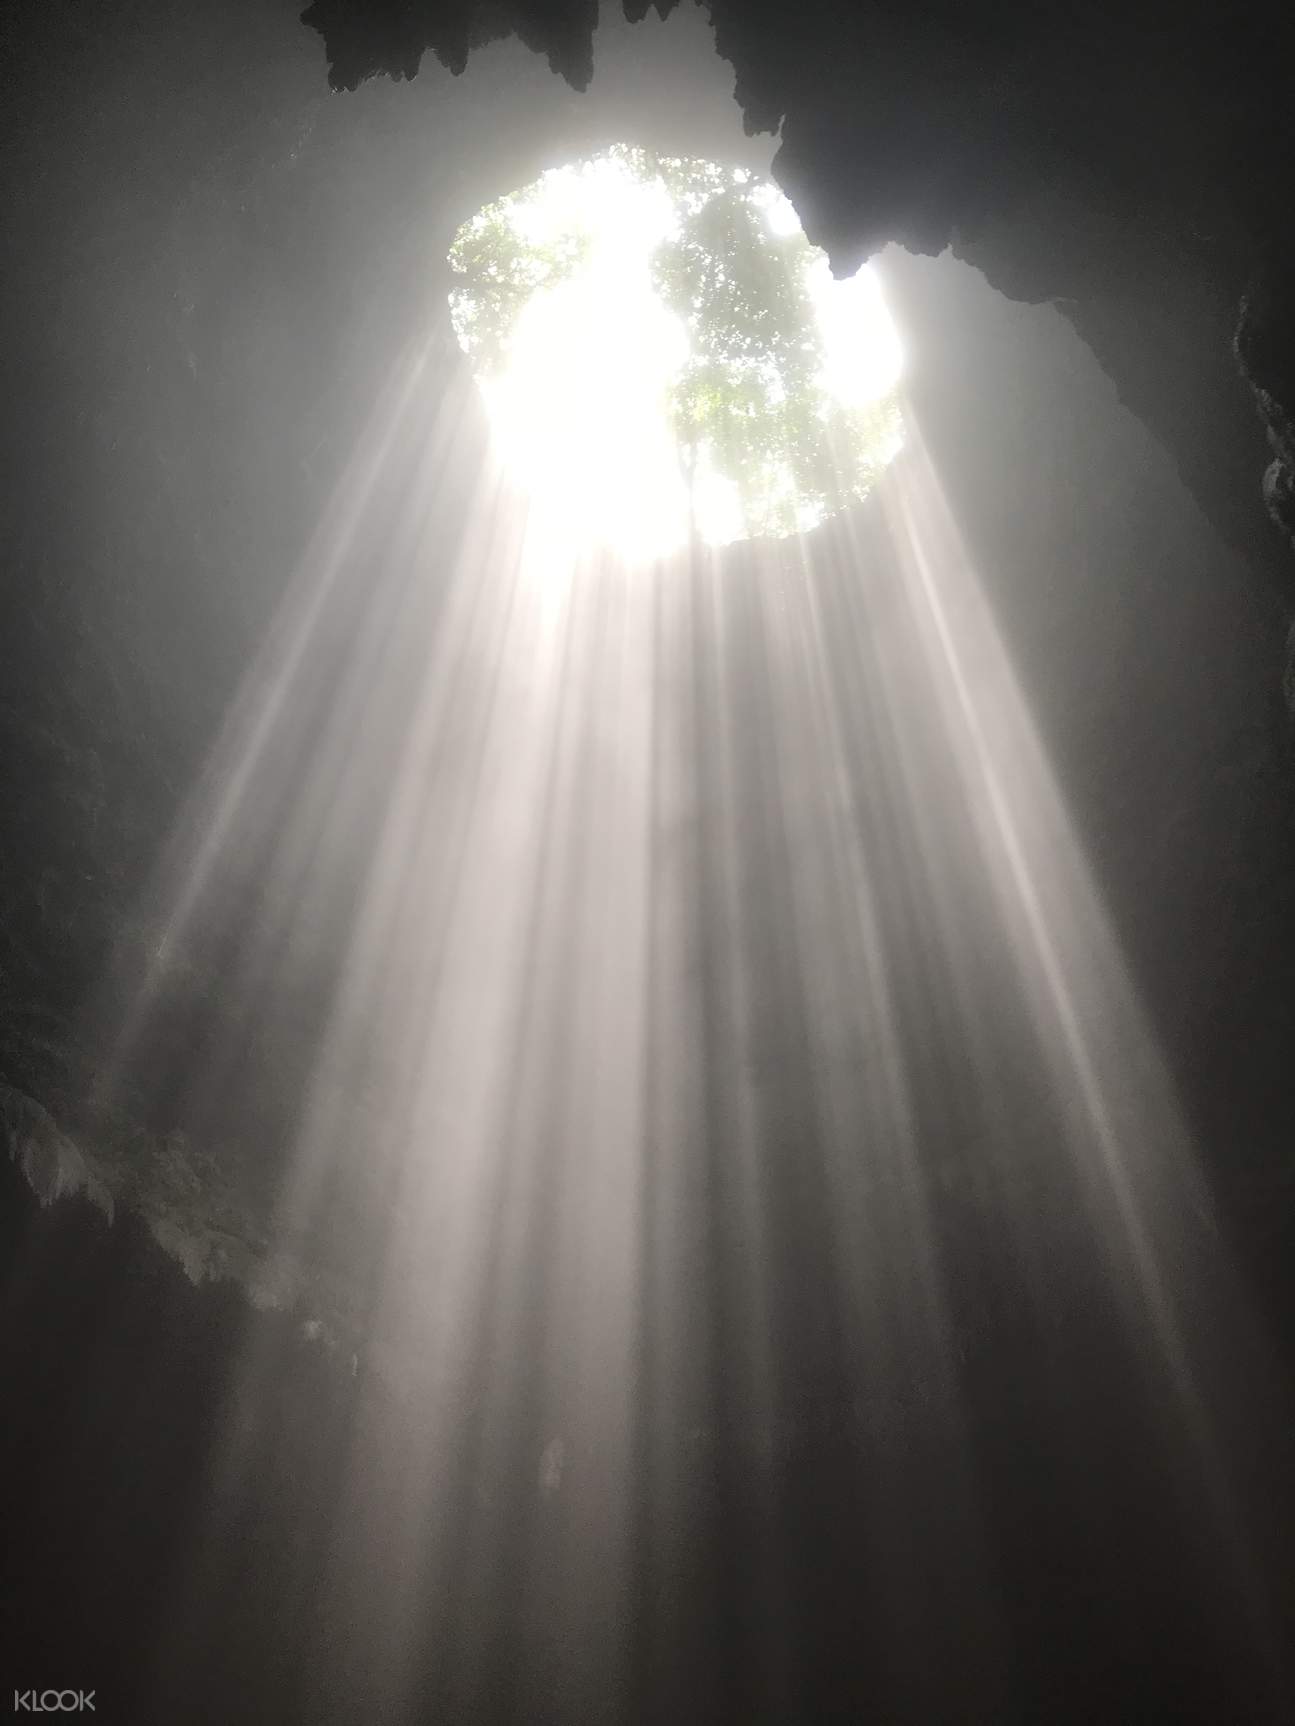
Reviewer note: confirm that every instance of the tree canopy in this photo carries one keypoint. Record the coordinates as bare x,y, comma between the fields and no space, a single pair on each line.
752,401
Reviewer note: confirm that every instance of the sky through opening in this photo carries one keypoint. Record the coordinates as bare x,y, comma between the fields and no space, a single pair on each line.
664,355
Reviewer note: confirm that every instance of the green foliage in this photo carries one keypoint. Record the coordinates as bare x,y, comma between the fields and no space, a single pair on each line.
751,392
503,270
749,402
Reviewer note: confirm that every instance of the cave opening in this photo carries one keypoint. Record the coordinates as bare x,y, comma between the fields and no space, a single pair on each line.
664,356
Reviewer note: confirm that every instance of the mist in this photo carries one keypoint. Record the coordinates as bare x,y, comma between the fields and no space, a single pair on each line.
697,1131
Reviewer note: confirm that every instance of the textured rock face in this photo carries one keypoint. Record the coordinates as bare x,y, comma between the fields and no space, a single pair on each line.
391,37
1265,347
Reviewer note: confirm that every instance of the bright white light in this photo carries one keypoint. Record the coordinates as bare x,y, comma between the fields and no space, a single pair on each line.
581,409
864,355
779,210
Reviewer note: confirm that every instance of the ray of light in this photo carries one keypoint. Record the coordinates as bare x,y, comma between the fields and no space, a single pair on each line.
704,939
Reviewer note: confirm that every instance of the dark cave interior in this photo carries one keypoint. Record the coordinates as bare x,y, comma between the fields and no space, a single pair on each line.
217,1499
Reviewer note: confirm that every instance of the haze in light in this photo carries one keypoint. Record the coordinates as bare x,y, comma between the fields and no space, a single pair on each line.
580,403
689,924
